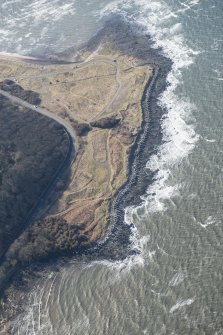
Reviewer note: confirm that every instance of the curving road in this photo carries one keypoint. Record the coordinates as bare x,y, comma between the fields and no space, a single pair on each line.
72,140
42,111
80,66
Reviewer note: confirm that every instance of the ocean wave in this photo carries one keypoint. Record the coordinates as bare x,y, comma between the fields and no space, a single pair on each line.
209,221
177,279
37,17
137,259
37,11
158,20
182,303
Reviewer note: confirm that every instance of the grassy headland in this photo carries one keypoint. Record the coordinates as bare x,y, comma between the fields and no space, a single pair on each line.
100,97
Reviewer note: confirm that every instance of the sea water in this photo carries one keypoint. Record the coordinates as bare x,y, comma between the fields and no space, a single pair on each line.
174,284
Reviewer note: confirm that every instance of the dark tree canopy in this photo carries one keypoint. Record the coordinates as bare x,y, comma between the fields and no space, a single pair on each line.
32,147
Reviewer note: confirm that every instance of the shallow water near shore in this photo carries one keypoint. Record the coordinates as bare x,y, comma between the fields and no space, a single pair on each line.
174,284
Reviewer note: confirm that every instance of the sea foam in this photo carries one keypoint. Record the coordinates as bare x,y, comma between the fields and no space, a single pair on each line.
22,16
179,137
181,303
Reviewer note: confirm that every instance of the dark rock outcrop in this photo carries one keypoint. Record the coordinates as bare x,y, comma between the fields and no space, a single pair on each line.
106,123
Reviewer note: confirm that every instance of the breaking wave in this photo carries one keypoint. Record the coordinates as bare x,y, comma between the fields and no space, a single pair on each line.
31,24
162,23
179,137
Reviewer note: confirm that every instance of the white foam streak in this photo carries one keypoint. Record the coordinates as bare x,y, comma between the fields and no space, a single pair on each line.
157,19
36,319
138,259
181,303
179,137
28,16
209,221
177,279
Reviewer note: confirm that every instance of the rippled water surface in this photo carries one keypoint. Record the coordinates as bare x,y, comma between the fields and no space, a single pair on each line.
174,286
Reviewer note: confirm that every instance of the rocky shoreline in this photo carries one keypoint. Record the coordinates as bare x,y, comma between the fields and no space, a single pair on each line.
116,245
